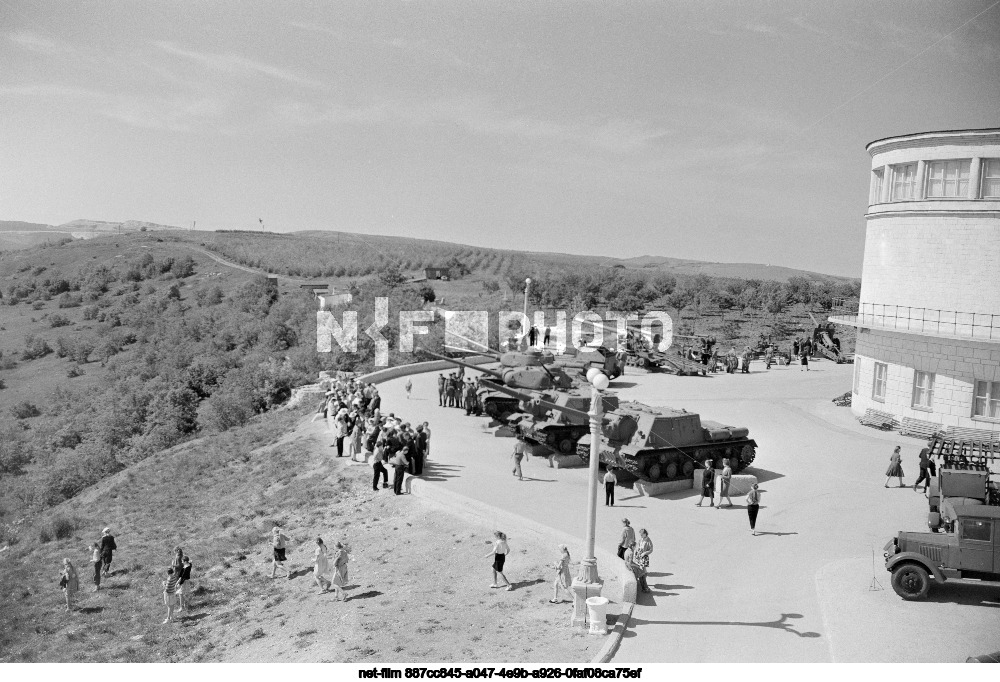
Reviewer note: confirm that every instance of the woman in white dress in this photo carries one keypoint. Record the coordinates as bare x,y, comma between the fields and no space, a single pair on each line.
340,569
563,579
321,566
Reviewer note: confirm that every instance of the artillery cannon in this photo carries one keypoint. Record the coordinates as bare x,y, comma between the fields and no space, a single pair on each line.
825,343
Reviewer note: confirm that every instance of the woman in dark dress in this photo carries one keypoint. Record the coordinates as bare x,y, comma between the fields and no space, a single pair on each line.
895,468
708,485
499,553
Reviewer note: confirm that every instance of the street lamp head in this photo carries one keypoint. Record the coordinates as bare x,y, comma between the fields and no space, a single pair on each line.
600,381
527,280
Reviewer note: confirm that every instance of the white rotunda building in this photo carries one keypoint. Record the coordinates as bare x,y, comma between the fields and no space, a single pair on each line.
928,342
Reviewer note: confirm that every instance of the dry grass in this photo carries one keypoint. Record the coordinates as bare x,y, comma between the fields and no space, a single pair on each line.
418,591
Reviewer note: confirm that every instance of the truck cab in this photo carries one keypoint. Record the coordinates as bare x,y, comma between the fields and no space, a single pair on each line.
968,555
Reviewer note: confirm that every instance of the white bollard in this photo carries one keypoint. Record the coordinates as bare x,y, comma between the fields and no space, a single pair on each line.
597,608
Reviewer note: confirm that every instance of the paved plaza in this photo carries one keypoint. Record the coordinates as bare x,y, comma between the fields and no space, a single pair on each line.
798,592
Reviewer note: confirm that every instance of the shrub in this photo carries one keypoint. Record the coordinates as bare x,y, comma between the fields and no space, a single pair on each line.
90,312
62,527
37,305
75,371
44,535
68,300
35,347
25,410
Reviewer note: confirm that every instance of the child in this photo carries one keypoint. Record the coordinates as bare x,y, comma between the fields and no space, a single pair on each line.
97,561
409,387
170,593
69,582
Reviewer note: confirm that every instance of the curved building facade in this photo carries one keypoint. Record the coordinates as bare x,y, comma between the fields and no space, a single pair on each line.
928,343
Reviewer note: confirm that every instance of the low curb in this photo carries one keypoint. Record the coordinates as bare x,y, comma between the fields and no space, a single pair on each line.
610,647
378,376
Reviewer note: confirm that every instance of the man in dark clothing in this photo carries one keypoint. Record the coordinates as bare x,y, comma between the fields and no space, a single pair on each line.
548,336
399,464
532,335
924,469
108,547
379,468
420,452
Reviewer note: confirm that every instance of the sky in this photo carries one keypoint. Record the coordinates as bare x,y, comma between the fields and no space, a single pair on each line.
719,131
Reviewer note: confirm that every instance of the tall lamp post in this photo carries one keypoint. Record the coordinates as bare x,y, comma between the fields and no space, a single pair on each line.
527,286
588,583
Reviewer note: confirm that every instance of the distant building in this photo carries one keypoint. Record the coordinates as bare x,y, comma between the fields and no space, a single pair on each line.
326,296
928,343
437,273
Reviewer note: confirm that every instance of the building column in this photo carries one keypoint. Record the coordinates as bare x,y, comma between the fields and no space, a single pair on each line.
974,171
919,191
886,184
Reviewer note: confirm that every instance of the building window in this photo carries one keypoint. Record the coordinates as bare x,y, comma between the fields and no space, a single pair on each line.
948,179
876,186
986,401
991,179
923,390
878,385
904,182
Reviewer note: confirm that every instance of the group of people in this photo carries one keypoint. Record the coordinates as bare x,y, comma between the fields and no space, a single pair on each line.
322,564
101,555
725,477
353,413
534,335
178,574
455,390
928,468
802,348
635,552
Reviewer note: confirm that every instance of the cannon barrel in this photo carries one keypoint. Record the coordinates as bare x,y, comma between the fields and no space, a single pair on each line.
544,403
453,361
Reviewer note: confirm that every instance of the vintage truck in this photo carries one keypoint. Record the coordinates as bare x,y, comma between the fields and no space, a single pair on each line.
964,502
969,555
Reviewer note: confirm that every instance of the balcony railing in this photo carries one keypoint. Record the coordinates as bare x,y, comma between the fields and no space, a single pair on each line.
933,321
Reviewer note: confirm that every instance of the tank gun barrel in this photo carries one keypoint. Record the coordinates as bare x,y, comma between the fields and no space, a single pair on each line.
486,350
813,317
544,403
492,353
453,361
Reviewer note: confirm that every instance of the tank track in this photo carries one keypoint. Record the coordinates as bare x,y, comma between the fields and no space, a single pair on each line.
668,464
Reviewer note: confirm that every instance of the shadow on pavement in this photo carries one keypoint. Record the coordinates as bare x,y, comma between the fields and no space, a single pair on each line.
299,573
779,624
970,595
439,472
195,618
763,475
623,384
528,583
775,532
539,480
363,595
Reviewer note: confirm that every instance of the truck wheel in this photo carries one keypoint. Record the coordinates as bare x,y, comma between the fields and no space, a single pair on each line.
566,446
911,582
654,473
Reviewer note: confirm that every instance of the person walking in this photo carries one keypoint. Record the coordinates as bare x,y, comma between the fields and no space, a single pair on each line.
441,392
795,348
768,357
340,430
96,562
804,358
499,552
321,566
518,455
643,548
399,464
631,562
548,336
563,578
753,506
108,548
170,593
340,570
278,540
177,563
708,485
895,468
409,388
925,474
628,537
609,487
450,394
532,335
69,581
724,478
181,584
378,467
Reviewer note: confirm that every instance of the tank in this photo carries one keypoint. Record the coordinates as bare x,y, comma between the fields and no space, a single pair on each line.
534,379
557,420
604,359
667,444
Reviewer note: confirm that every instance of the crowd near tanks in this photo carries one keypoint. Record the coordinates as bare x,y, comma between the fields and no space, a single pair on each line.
963,545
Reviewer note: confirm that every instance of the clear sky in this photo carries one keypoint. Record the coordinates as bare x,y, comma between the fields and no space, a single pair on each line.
723,131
